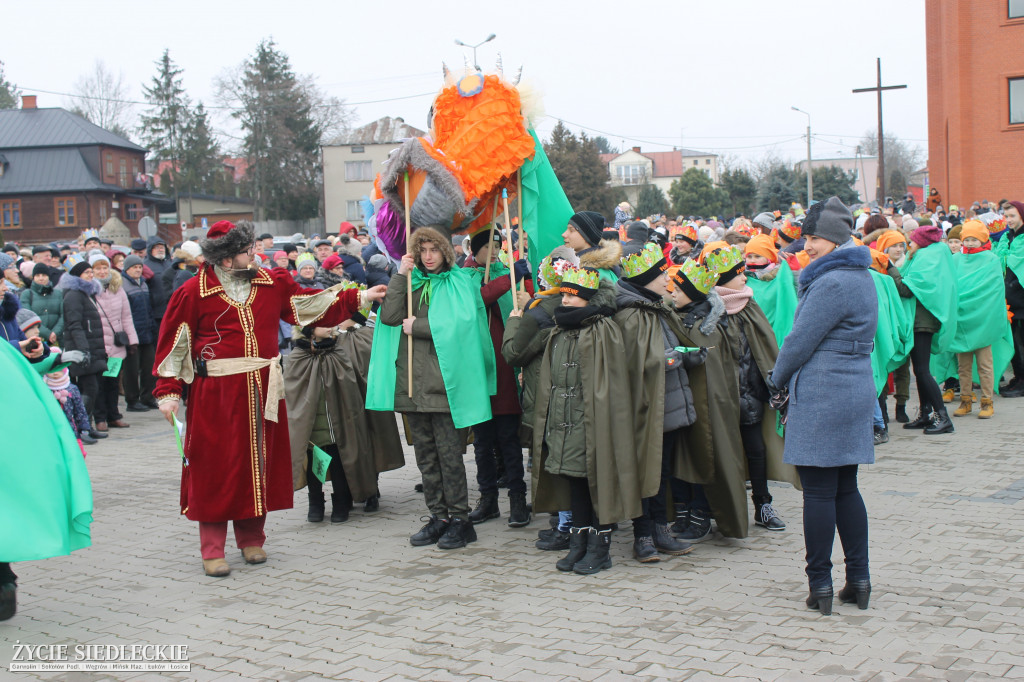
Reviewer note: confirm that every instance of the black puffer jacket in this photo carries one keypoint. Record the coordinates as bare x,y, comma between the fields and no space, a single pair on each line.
83,328
753,391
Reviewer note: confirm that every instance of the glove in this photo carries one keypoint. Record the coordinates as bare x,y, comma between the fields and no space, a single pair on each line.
522,268
75,357
132,348
695,357
770,383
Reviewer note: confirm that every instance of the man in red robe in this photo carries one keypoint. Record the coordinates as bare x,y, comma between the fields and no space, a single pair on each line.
219,335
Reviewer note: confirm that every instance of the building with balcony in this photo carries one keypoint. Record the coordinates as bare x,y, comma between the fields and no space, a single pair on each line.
633,168
975,98
60,175
352,162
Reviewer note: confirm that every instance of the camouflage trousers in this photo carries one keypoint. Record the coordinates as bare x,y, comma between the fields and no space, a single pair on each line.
439,448
901,377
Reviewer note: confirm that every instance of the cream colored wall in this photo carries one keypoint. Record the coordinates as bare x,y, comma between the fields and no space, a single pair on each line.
337,191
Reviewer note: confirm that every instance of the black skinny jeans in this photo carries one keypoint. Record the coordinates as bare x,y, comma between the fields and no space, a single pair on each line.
833,501
338,480
137,375
583,513
106,402
654,508
89,387
757,463
499,437
927,389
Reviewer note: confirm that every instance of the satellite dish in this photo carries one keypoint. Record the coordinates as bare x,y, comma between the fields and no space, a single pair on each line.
147,227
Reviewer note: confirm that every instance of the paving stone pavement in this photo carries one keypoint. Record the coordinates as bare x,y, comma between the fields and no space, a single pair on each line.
356,601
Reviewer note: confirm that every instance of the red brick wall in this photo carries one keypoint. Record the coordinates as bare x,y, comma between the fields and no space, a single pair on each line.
39,217
973,152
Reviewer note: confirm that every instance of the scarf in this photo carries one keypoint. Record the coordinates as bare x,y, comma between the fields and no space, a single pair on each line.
735,300
568,317
987,246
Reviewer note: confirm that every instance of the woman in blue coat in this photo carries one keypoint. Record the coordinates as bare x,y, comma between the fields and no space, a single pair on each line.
825,363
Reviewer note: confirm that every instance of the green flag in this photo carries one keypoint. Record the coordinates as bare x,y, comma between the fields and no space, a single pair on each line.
546,209
321,462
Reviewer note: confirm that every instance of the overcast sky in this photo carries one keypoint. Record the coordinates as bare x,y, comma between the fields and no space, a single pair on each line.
717,75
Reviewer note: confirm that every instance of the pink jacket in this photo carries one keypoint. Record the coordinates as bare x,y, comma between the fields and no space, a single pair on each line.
116,315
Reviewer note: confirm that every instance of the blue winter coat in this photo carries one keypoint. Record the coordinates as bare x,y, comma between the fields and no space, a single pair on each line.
826,363
142,312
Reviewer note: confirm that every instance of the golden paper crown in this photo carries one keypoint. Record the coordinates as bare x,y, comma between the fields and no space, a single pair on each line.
638,263
702,279
580,278
723,259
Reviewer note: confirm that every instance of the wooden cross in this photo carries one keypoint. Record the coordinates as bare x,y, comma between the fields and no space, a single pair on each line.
880,183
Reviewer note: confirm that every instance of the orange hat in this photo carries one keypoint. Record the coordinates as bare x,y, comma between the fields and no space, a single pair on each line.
879,261
789,232
890,238
976,229
709,248
762,245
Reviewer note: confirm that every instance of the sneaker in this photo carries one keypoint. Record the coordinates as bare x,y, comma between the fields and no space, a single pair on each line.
881,436
644,550
699,527
769,518
430,533
459,534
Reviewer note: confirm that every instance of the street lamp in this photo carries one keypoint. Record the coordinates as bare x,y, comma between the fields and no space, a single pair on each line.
810,182
473,47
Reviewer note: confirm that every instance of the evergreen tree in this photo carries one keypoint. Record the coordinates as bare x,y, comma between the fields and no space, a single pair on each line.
778,188
282,137
651,200
741,188
199,163
162,127
584,177
694,194
828,181
9,92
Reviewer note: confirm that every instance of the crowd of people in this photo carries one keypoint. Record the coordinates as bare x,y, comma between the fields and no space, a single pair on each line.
655,370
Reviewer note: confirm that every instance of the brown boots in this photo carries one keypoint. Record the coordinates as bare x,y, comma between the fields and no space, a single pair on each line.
966,400
986,409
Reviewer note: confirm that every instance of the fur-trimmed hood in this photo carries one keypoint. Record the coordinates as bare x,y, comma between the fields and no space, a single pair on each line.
712,308
428,234
604,256
71,283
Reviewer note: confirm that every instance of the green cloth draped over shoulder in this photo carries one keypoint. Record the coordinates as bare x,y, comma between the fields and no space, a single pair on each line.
930,276
546,209
777,298
456,314
498,270
894,337
46,497
981,315
1011,255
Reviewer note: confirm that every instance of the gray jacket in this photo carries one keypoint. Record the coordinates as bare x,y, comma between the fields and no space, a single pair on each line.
826,363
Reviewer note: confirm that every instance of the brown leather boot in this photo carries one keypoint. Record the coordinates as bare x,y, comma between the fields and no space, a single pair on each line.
986,409
966,399
216,568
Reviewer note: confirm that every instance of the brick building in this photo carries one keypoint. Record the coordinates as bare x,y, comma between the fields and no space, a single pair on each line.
60,175
975,99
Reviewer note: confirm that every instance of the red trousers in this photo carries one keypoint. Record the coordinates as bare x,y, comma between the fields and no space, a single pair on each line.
248,533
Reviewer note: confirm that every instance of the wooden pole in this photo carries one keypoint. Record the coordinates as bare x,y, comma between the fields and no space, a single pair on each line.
490,240
522,232
512,268
408,284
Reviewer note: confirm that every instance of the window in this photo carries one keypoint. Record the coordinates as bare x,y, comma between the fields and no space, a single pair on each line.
1016,101
707,162
696,161
358,171
1015,9
135,167
133,210
352,210
103,212
64,208
123,177
357,149
110,165
629,175
10,213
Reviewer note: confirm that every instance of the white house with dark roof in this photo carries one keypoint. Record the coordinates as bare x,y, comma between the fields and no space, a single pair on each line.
633,168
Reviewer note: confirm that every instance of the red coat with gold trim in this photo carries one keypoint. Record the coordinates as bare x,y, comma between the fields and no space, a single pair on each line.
239,462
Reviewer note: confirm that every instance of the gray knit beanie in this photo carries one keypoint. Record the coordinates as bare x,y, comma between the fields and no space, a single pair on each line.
129,261
833,221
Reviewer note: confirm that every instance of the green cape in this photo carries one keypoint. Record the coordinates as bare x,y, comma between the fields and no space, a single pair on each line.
456,312
932,279
895,334
1011,255
777,298
46,498
981,315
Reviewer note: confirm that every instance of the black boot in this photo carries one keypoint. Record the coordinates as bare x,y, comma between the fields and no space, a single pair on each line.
644,550
699,528
430,533
577,548
316,507
940,424
923,420
486,508
459,534
372,503
8,601
340,504
666,544
682,518
820,599
518,514
552,540
765,514
858,591
901,414
598,556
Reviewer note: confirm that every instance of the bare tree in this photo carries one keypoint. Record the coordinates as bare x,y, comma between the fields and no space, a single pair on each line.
102,97
333,117
901,158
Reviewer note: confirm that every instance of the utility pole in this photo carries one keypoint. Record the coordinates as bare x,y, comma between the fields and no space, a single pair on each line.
810,181
880,188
